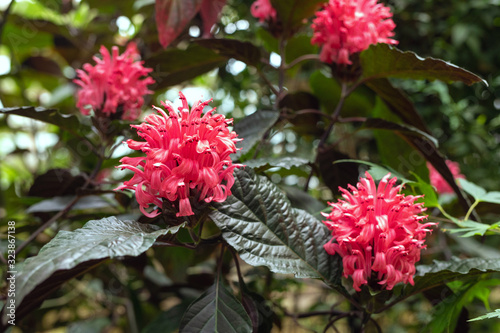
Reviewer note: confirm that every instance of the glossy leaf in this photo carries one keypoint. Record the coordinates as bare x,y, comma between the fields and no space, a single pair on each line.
175,66
216,310
442,272
71,253
172,17
233,48
383,61
259,222
253,128
490,315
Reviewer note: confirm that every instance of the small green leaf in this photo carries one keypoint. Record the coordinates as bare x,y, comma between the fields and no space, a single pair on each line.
216,310
259,222
252,128
430,197
71,253
471,228
479,193
490,315
383,61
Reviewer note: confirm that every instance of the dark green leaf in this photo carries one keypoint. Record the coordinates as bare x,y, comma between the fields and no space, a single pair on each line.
430,197
303,200
252,128
67,122
382,61
72,253
232,48
398,102
168,321
293,12
259,222
327,90
259,311
442,272
216,310
175,66
336,175
490,315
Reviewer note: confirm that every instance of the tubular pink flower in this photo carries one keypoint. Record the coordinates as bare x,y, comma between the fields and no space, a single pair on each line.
185,151
345,27
438,181
377,232
114,81
263,10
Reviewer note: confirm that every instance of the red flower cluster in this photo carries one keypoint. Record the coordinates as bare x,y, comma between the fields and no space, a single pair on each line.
114,81
263,10
184,151
378,232
345,27
438,181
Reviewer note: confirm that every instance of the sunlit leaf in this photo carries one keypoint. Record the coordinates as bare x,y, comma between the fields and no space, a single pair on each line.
472,228
479,193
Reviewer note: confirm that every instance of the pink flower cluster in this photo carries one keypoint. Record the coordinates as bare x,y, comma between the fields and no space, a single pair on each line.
377,232
345,27
115,80
438,181
184,151
263,10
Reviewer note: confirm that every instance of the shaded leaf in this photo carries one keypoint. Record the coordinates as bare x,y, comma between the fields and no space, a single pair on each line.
71,253
259,311
382,61
210,10
67,122
168,321
259,222
398,102
232,48
172,17
89,326
56,204
175,66
216,310
292,13
336,175
43,65
490,315
252,129
442,272
56,182
306,123
303,200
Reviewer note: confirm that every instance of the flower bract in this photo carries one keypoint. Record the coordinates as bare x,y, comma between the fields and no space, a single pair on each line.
378,233
345,27
438,181
186,152
115,81
263,10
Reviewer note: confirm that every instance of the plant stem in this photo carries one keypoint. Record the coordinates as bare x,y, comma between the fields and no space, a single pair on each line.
471,209
302,58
